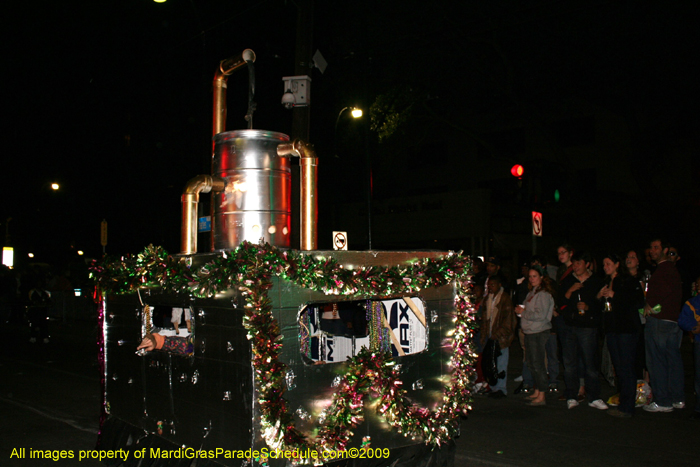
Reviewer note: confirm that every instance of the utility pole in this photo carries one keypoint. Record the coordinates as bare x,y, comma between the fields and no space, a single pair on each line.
301,115
302,63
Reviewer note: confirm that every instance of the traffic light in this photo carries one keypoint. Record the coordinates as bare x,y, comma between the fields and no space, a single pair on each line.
517,171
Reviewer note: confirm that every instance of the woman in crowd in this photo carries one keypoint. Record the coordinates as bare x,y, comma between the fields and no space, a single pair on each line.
564,254
632,264
480,385
536,323
641,275
622,297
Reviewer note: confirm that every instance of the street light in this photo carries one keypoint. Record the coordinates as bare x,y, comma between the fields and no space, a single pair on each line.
55,186
356,112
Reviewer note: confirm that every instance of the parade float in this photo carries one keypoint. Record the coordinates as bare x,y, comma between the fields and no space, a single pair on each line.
284,356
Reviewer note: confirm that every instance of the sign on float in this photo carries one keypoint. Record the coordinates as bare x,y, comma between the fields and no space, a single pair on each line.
340,240
204,224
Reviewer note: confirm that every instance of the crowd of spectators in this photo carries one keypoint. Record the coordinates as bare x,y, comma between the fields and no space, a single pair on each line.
619,317
33,296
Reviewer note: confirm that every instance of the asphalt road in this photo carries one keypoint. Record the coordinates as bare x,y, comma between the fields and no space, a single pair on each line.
49,394
50,400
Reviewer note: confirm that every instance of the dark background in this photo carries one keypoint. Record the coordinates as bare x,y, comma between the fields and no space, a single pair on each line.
112,100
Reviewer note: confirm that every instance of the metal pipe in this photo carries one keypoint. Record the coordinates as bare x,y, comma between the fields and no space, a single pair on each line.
190,200
309,191
226,68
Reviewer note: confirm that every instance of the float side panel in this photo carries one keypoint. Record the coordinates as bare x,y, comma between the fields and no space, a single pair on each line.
201,401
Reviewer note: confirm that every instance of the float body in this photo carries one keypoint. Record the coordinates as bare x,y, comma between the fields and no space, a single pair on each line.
213,395
209,400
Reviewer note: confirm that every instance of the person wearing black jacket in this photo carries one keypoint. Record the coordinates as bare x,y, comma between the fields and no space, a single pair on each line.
622,298
582,312
37,310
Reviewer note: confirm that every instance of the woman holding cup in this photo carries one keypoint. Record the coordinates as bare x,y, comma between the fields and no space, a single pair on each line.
623,297
536,322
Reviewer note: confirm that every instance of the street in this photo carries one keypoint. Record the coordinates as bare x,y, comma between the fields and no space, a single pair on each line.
50,400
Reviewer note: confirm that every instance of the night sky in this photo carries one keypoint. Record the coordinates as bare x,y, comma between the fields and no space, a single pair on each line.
112,99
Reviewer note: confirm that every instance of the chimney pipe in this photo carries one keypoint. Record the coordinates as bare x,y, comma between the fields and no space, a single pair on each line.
309,201
207,183
226,68
190,200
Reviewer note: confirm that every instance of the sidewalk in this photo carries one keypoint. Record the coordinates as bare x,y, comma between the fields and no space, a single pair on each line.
506,432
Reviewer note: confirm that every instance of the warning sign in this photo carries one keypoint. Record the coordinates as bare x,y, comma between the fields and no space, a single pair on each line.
536,224
340,240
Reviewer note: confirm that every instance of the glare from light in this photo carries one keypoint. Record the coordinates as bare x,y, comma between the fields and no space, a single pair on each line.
77,292
159,1
55,186
80,252
31,255
356,113
8,256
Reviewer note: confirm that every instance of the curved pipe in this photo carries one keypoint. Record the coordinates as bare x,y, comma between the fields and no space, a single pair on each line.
207,183
190,200
309,201
226,68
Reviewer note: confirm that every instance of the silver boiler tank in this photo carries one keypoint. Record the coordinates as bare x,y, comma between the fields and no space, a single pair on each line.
255,203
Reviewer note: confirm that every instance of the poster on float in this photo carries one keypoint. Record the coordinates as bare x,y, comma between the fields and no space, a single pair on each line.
337,336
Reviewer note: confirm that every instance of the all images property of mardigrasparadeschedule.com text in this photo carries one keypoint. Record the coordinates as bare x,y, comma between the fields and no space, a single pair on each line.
191,453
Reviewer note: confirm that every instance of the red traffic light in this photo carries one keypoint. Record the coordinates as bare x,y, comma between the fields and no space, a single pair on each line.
517,170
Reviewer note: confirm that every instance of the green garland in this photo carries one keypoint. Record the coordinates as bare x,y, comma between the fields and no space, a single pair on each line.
250,268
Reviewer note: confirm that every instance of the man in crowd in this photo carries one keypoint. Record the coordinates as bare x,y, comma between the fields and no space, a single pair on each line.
662,336
493,269
689,320
582,314
498,324
564,253
480,274
673,255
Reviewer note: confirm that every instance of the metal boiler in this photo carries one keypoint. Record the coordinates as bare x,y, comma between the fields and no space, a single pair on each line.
251,180
255,202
